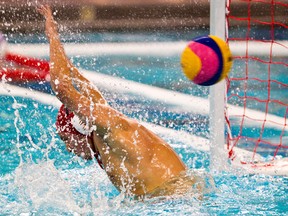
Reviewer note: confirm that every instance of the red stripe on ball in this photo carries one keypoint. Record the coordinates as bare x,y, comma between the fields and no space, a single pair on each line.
209,60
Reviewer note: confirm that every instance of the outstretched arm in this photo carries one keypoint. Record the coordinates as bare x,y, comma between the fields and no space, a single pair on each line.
86,87
61,69
60,72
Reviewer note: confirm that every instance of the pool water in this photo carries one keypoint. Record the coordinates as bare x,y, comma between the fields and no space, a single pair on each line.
39,177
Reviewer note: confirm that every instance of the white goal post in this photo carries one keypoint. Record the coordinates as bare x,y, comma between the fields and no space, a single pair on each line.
218,156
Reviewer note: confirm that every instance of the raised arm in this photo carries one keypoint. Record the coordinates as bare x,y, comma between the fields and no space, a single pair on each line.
60,66
62,82
86,87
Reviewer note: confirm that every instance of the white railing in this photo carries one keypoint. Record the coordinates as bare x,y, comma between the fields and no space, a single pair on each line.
164,49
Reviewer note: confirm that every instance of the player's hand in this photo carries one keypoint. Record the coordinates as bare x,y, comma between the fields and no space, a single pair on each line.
45,10
50,26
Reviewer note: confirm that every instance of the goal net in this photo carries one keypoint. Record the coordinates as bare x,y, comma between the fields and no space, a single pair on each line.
257,87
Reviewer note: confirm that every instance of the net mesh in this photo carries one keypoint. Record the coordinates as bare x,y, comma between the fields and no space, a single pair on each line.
258,83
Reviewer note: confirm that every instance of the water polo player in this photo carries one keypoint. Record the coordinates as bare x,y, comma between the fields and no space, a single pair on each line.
136,160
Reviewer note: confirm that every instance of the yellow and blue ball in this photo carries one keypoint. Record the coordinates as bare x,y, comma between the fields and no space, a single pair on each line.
206,60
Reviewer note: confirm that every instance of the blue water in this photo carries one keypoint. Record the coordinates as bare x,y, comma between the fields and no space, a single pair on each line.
39,177
234,194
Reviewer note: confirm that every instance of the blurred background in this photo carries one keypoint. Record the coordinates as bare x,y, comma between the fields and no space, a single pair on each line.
86,15
91,15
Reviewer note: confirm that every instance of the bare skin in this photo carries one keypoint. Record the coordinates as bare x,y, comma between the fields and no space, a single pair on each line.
136,160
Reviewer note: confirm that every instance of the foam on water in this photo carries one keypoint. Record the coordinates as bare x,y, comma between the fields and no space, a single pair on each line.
41,188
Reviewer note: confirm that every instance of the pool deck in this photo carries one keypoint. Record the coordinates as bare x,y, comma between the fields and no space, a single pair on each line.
113,15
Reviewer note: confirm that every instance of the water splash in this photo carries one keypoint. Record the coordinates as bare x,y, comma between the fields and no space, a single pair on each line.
42,187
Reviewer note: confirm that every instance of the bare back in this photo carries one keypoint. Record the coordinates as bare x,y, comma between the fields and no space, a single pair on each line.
134,157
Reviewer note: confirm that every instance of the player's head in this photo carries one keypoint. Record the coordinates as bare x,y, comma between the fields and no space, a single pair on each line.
76,135
64,123
70,131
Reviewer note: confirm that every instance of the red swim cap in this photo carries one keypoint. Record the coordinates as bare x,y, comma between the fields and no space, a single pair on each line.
64,124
